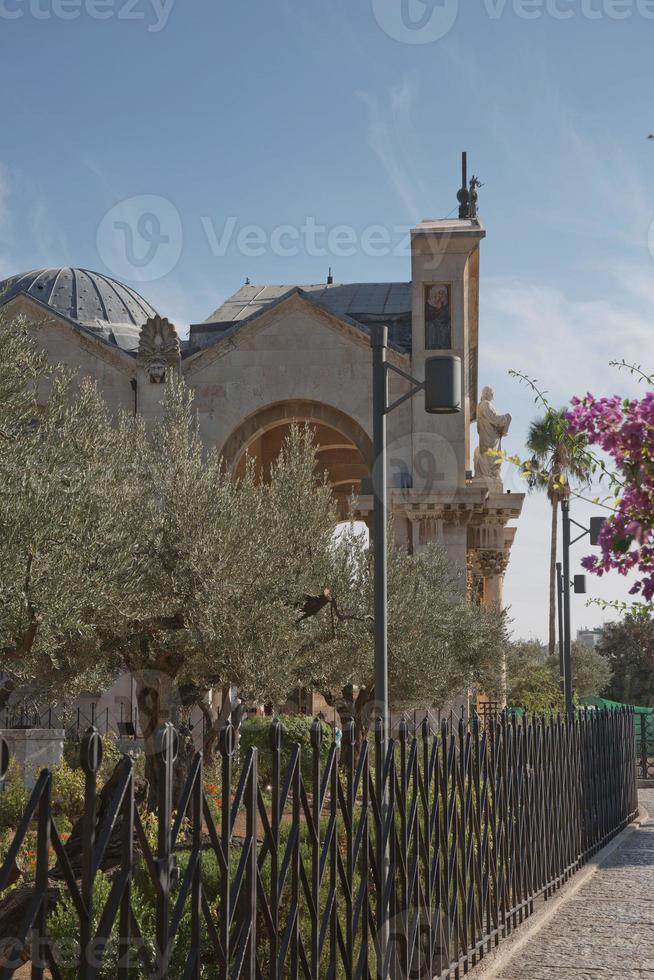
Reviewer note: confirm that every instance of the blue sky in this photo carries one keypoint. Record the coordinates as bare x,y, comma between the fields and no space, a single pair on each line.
298,111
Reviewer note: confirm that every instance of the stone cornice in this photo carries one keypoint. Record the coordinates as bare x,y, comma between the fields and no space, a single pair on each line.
464,506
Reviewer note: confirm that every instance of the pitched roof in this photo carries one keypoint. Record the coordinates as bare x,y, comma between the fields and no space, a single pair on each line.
360,303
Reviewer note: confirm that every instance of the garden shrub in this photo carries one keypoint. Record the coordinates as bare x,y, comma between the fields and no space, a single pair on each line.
13,799
295,728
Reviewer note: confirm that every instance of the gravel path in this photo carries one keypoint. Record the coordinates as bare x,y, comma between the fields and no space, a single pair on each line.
604,931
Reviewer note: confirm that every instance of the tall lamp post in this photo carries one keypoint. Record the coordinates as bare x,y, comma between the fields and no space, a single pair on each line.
578,584
442,388
559,604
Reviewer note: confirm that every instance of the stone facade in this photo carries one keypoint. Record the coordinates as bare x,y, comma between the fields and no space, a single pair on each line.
271,356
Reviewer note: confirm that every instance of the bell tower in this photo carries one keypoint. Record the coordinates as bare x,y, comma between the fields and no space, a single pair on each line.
445,317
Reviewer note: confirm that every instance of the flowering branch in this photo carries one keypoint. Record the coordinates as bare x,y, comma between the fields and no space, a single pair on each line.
624,429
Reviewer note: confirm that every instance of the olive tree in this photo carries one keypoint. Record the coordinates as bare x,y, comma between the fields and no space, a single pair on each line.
439,644
124,547
53,444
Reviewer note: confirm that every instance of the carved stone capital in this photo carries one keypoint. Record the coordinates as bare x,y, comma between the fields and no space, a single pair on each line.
159,348
489,562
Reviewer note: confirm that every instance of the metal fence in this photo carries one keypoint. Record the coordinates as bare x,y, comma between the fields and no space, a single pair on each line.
412,865
75,719
644,723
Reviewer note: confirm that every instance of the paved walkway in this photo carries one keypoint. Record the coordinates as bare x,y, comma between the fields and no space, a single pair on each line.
606,929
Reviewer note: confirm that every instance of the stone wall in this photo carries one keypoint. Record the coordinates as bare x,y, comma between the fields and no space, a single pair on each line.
34,749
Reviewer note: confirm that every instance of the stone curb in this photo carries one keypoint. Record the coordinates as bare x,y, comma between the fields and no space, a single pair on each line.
497,960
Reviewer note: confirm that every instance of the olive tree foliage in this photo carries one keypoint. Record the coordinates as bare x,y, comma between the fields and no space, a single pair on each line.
534,678
52,456
128,548
222,567
439,644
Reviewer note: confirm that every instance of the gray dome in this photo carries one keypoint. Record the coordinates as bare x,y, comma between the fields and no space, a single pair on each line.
102,305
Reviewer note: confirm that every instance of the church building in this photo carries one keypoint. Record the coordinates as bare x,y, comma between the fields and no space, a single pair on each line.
272,355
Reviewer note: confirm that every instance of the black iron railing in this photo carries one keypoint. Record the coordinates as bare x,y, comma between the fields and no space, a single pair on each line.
328,871
645,744
74,720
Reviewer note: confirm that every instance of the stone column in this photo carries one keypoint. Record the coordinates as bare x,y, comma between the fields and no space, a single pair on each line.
486,569
492,565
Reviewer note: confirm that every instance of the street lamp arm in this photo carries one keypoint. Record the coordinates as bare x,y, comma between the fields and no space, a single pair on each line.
582,527
416,387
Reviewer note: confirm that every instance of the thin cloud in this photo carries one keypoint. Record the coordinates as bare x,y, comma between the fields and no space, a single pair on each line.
5,263
390,132
566,343
4,194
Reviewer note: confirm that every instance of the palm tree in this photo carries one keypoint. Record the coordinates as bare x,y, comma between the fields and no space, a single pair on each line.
557,458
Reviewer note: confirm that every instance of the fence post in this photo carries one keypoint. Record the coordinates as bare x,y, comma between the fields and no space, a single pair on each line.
316,743
643,746
125,923
91,759
40,929
4,762
348,767
196,886
250,965
275,742
381,918
166,749
427,843
226,745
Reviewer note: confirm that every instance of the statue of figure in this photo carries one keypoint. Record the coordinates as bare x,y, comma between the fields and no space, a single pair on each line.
491,428
475,184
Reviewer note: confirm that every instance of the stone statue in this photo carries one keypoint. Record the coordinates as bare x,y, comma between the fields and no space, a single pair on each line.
491,428
475,184
159,348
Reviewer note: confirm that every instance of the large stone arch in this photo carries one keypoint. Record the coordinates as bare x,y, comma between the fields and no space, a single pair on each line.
344,448
287,412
